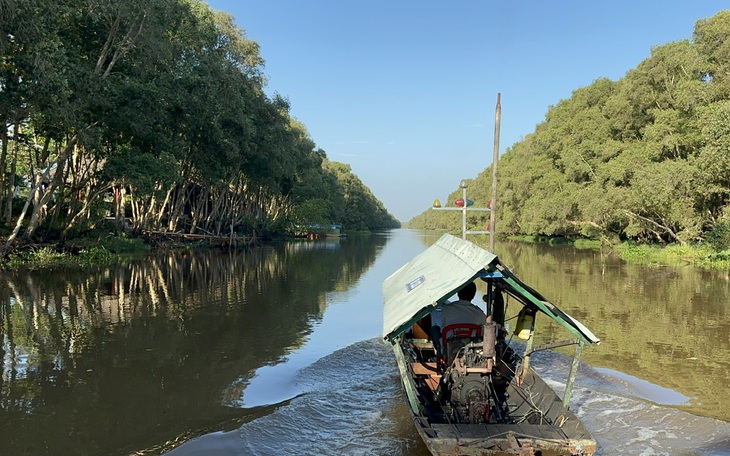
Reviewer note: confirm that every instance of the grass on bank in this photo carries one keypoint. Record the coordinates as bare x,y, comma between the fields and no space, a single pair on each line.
698,255
83,252
587,244
47,257
692,255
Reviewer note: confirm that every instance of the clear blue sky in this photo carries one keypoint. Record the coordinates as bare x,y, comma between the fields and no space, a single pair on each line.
404,91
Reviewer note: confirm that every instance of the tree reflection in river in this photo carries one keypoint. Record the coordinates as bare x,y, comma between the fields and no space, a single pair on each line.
111,360
667,325
115,360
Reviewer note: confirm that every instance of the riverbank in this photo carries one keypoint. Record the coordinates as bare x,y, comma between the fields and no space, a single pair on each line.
179,344
696,255
76,252
106,250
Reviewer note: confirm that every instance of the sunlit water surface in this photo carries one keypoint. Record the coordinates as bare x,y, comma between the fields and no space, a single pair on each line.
279,352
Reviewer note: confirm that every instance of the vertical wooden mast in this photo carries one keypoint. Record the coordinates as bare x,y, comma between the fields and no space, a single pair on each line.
495,159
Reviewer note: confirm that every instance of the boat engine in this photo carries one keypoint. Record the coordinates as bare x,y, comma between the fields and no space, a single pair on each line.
475,396
470,398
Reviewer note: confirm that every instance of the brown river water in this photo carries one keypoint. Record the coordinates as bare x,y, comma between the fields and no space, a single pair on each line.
277,351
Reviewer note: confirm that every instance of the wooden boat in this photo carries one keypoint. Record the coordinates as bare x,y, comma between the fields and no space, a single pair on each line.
471,393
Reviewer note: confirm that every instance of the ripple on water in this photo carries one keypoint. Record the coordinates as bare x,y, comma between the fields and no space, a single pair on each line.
347,406
351,403
632,416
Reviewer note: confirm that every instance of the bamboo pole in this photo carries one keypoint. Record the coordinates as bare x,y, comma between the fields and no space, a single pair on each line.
573,372
495,159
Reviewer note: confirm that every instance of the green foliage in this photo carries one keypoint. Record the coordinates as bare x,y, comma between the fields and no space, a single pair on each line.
47,257
719,236
338,196
41,257
639,253
142,170
123,244
95,255
719,260
158,111
315,210
645,158
675,255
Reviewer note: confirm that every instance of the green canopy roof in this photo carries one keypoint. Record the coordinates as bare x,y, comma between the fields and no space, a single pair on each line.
425,282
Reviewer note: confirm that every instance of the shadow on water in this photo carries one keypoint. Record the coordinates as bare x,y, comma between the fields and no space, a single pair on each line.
350,405
111,360
278,351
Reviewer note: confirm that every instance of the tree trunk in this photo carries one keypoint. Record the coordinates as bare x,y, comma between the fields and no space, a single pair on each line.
664,228
8,214
120,206
85,211
3,159
165,207
11,239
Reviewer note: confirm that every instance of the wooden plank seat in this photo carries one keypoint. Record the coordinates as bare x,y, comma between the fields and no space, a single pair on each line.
424,368
428,371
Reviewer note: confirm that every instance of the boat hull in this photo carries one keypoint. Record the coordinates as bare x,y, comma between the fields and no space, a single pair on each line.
541,425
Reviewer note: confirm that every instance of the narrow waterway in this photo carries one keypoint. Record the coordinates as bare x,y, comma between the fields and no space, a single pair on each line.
277,350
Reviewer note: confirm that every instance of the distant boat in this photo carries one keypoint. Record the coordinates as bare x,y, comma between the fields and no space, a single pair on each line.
471,393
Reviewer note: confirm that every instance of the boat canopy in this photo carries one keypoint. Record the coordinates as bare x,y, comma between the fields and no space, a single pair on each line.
429,279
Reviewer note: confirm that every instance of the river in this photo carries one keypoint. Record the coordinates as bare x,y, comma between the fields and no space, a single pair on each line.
277,350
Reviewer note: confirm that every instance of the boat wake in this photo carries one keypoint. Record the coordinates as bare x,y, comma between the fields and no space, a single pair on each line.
632,416
351,403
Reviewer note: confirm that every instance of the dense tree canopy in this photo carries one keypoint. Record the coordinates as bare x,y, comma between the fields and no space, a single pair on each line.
646,157
153,112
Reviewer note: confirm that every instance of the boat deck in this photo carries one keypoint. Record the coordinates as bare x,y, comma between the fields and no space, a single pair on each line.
482,431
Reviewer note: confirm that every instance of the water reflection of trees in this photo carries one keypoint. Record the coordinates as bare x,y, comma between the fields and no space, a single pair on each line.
667,325
113,359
